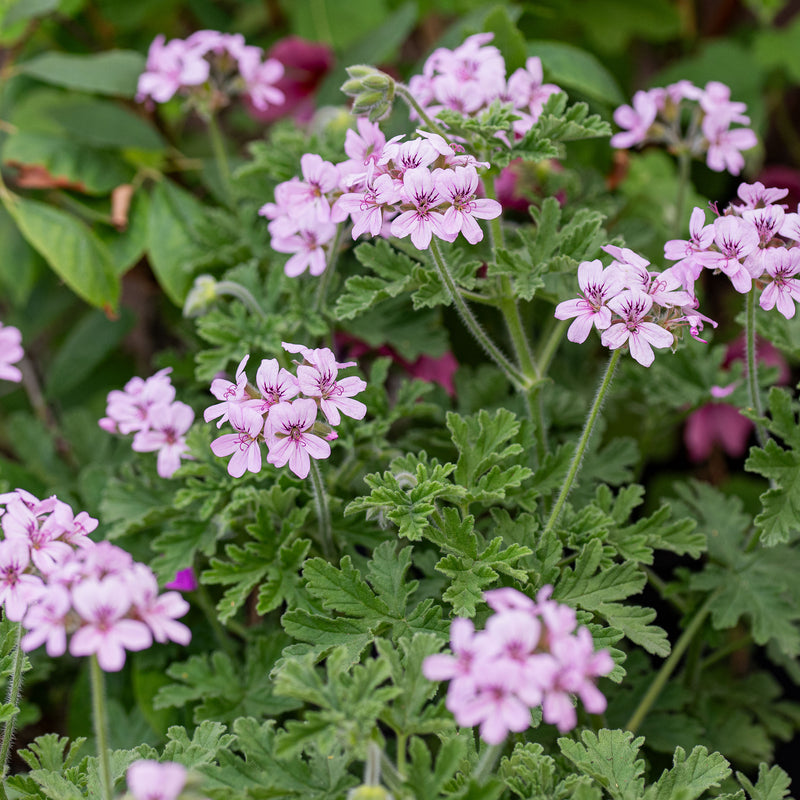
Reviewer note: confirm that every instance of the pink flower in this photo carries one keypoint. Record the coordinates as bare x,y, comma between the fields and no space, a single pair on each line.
171,66
168,423
458,186
319,380
420,222
725,146
17,589
784,289
636,120
128,411
736,239
640,335
150,780
277,385
260,78
290,438
242,445
158,612
106,632
367,208
10,352
308,246
228,393
46,621
692,254
598,286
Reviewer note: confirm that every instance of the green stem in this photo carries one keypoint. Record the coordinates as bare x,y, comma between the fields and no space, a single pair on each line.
467,317
684,178
733,646
101,726
548,351
241,293
588,427
752,365
401,753
220,156
14,689
433,127
668,667
489,757
323,511
330,267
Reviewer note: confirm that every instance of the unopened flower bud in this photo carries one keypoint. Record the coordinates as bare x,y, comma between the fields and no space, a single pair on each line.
201,296
369,793
372,90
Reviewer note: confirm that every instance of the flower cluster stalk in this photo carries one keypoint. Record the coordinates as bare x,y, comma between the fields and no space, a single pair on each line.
752,365
323,510
100,719
588,427
14,690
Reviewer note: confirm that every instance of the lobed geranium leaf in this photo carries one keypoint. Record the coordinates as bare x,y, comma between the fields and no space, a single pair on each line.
610,758
772,784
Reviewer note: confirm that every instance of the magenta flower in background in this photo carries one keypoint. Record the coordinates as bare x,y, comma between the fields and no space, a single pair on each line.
184,581
10,353
151,780
716,424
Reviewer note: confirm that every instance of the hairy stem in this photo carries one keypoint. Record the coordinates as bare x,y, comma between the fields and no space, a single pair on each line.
403,92
588,427
684,180
668,667
220,156
241,293
323,511
489,756
752,365
14,690
100,719
468,318
330,267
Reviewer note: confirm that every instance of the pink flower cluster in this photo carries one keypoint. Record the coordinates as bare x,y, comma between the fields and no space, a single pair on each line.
57,581
657,117
630,305
274,413
755,243
151,780
530,654
216,65
148,409
418,188
10,352
473,76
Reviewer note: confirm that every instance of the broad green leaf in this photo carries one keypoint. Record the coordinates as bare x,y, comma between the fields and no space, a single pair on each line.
76,255
634,623
507,38
171,238
334,24
115,72
207,740
573,68
28,9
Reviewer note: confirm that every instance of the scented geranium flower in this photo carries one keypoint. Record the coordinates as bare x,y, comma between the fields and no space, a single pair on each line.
308,246
290,438
692,254
783,290
368,208
276,385
421,221
151,780
184,581
319,380
527,90
641,335
106,631
735,239
243,445
529,655
171,66
260,78
159,612
10,353
228,393
46,621
128,410
598,285
636,120
17,588
307,199
725,146
458,187
168,424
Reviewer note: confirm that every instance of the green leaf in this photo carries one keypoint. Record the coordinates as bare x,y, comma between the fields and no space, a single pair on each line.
426,781
610,758
207,740
343,589
573,68
507,38
115,72
634,623
68,163
76,255
690,777
28,9
772,784
393,271
172,242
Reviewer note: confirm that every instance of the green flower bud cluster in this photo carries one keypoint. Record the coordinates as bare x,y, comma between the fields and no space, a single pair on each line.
373,91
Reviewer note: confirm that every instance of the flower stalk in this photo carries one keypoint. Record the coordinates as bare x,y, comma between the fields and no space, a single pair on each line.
323,510
14,690
100,719
752,366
